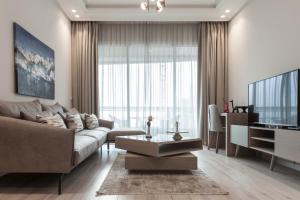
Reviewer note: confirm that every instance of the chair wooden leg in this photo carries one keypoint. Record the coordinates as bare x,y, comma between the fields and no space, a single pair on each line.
108,145
60,176
217,142
101,150
208,145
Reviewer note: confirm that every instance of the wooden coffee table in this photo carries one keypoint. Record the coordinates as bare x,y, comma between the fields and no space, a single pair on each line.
159,153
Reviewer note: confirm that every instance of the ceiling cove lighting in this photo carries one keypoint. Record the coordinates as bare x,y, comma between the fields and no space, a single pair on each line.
159,5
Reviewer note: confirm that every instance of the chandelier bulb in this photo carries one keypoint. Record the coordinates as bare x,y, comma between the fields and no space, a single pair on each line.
160,4
144,5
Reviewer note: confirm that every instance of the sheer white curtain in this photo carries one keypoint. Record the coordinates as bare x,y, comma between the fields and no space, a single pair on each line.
149,69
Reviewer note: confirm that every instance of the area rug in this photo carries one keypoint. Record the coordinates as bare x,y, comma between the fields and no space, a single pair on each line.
120,181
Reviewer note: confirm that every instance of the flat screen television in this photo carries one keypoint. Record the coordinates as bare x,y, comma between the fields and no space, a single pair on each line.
276,99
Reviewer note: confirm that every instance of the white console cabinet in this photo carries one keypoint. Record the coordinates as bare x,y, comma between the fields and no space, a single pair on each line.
280,143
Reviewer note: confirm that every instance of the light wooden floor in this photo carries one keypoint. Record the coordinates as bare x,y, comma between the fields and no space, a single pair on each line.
242,178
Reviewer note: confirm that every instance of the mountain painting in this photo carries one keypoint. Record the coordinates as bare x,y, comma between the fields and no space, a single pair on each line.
34,65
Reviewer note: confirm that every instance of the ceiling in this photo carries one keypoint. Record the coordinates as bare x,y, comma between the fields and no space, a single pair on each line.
129,10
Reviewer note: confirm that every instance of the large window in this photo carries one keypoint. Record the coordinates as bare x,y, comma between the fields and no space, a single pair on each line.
138,79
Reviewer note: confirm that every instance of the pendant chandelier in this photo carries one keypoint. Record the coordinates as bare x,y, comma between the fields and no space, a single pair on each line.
160,5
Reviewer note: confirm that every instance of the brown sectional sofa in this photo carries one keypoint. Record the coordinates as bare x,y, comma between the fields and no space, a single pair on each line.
31,147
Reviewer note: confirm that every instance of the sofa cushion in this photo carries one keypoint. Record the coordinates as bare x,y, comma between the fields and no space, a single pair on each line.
91,121
99,134
106,123
13,109
103,129
56,108
74,122
84,146
111,135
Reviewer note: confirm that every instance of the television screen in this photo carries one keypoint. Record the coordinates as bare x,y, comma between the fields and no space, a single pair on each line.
276,99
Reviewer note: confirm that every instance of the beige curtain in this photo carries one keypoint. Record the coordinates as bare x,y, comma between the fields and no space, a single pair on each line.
85,66
212,70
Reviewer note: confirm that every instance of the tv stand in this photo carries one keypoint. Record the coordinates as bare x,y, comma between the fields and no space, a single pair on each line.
282,143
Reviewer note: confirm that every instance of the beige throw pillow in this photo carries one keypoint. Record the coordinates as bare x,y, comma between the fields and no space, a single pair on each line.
54,120
74,122
91,121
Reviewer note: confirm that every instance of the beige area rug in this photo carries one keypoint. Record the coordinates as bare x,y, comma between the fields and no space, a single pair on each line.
120,181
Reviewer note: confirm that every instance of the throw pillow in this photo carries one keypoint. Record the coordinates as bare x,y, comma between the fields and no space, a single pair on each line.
74,122
91,121
71,111
54,120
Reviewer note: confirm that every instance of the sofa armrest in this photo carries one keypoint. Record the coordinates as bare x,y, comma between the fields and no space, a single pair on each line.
30,147
106,123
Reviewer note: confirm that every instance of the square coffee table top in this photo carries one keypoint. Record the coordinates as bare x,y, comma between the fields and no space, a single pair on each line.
159,138
159,145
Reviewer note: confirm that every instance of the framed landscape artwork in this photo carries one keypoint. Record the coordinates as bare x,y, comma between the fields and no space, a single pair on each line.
34,65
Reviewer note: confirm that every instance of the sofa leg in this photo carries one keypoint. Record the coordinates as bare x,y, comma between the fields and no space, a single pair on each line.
60,176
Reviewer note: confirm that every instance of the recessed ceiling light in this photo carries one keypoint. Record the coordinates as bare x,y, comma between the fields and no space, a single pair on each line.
74,11
77,16
223,16
227,11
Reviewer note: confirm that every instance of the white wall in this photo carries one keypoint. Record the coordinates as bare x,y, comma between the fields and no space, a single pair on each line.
264,40
45,20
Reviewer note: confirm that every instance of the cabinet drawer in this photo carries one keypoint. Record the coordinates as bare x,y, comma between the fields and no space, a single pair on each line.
239,135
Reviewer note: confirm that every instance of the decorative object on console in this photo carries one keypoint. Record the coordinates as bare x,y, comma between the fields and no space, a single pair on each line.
148,133
237,109
226,106
232,105
251,109
34,65
160,5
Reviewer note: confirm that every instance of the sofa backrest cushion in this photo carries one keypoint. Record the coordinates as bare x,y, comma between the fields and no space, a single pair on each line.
13,109
32,118
56,108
